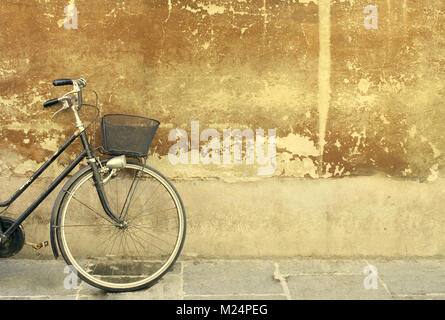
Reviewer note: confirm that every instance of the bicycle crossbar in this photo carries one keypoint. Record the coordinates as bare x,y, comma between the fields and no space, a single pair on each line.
38,172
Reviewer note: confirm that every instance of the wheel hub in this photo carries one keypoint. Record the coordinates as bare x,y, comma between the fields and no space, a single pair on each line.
123,225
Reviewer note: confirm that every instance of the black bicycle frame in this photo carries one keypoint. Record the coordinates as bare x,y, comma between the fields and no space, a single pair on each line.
86,153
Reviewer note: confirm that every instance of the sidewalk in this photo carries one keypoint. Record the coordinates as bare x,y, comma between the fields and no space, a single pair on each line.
244,279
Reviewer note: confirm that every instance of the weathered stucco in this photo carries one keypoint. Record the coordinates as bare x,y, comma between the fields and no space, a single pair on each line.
374,96
235,64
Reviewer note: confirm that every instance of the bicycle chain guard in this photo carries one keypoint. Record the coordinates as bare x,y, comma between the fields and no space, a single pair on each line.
15,242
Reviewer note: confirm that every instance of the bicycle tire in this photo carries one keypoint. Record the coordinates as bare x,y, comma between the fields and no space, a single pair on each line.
75,259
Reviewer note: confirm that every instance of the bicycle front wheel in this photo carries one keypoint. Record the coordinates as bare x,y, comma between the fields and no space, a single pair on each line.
134,254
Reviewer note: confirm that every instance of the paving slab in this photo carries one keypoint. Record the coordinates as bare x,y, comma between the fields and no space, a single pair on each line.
29,278
412,277
50,297
237,297
419,297
306,266
168,288
230,277
340,287
280,279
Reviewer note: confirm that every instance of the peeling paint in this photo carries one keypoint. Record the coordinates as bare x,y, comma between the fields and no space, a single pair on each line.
298,145
212,9
364,85
368,101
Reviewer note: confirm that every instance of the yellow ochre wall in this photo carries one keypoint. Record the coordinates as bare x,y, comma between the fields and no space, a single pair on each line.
358,113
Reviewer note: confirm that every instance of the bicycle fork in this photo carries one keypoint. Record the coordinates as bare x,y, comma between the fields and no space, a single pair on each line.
99,182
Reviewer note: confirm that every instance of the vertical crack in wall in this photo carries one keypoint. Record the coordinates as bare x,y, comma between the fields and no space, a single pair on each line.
324,74
389,37
265,15
405,8
169,11
162,49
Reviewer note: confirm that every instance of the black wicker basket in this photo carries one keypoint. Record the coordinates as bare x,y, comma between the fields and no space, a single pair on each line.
127,134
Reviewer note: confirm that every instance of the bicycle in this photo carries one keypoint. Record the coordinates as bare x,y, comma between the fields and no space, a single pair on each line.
118,222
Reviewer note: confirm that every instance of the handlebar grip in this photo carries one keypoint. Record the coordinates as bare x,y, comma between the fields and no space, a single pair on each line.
62,82
50,103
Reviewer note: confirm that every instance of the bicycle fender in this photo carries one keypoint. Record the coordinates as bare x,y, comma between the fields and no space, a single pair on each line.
56,207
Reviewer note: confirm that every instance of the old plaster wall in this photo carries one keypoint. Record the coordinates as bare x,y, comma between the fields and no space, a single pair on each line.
369,101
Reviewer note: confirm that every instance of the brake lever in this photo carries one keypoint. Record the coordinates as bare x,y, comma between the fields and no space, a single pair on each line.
66,105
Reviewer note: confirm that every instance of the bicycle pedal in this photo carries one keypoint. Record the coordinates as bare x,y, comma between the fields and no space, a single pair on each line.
37,246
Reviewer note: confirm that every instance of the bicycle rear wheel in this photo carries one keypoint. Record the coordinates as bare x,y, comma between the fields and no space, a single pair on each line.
132,255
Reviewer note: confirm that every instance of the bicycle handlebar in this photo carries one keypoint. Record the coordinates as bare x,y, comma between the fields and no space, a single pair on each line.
78,84
62,82
51,102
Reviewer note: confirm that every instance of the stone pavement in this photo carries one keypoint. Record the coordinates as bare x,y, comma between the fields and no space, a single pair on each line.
278,279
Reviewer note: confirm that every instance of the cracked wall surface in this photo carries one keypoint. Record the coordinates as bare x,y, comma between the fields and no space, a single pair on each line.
235,64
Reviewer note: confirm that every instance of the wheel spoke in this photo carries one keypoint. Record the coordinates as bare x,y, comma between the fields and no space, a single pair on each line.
139,237
134,243
150,213
107,243
151,235
85,225
152,195
89,207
